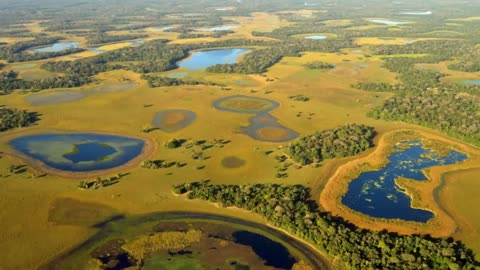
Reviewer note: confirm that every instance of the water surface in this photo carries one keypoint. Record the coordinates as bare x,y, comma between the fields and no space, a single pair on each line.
217,28
81,152
204,59
471,82
318,37
57,47
375,193
388,22
417,13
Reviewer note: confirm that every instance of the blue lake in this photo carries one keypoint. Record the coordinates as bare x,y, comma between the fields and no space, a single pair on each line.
318,37
79,152
388,22
204,59
471,82
57,47
89,151
375,193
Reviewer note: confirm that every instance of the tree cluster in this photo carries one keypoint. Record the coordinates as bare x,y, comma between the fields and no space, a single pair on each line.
342,141
11,118
319,65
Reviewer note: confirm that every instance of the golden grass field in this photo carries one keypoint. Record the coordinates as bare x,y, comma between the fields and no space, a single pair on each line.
43,217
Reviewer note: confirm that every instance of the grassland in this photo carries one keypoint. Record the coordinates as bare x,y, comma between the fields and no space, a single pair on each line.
62,211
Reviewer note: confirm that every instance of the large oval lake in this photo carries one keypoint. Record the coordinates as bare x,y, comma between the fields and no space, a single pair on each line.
79,152
205,59
375,193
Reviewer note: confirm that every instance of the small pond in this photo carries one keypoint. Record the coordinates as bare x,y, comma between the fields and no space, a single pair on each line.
164,28
96,50
183,240
204,59
471,82
217,28
263,126
138,42
173,120
64,96
57,47
388,22
375,193
317,37
56,97
79,152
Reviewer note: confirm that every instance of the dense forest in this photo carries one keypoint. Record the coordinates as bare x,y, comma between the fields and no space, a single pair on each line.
456,114
101,37
14,118
290,208
342,141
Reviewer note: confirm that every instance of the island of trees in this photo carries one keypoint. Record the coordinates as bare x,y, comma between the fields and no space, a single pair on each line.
14,118
343,141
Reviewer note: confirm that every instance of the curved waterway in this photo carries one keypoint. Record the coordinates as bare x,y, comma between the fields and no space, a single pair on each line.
266,242
376,194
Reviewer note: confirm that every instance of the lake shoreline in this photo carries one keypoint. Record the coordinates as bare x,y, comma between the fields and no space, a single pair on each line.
421,193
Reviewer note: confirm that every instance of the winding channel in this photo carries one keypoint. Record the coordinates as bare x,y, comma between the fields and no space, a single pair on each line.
310,254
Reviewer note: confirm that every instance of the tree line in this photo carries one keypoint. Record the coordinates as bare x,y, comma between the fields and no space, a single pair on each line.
290,208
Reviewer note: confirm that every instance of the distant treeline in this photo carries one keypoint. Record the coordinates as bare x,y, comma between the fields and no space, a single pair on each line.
101,38
165,81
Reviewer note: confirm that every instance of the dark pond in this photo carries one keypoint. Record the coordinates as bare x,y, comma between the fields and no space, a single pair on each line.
226,243
79,152
204,59
89,151
375,193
